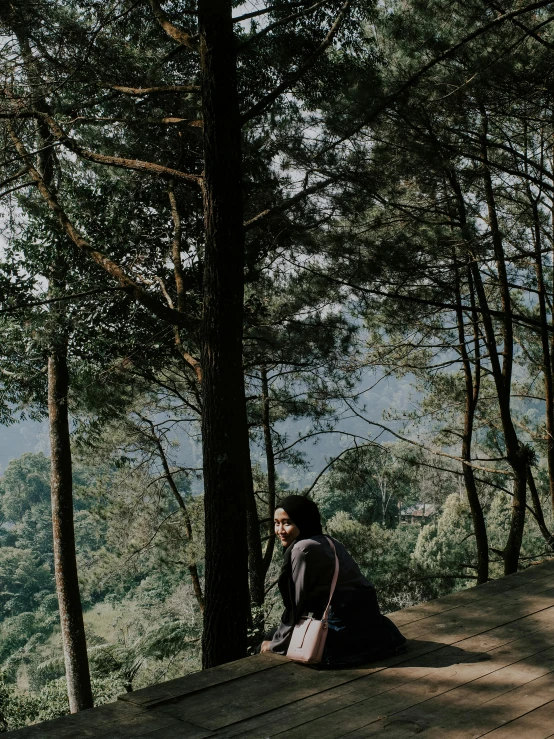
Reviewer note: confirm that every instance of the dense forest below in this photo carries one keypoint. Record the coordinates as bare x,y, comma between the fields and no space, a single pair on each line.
143,622
224,225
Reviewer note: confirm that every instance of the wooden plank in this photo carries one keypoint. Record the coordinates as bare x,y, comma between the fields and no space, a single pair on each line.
501,609
84,724
470,625
388,715
266,696
324,703
531,597
172,690
502,718
288,714
184,730
226,704
299,713
479,707
141,726
420,684
472,595
537,724
511,631
252,697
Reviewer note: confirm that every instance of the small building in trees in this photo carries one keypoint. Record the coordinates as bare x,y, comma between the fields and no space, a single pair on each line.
420,513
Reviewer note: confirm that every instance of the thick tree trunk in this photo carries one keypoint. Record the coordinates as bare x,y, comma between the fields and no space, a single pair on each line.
515,454
74,643
224,424
517,522
65,563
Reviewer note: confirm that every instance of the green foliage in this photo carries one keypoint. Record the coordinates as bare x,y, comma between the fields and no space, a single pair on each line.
447,546
24,581
498,524
363,275
142,622
369,483
18,710
386,558
24,484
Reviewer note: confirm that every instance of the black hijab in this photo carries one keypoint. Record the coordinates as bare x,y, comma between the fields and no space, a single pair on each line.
304,513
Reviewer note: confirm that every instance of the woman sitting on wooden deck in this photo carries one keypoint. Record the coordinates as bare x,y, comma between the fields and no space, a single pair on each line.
358,633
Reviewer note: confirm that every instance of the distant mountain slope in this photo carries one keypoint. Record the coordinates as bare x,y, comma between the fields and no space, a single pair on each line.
389,394
27,436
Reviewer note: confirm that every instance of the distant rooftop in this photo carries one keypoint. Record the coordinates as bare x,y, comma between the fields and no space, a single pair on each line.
418,511
480,662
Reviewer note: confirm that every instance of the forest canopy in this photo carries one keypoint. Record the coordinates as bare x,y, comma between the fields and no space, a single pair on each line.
226,227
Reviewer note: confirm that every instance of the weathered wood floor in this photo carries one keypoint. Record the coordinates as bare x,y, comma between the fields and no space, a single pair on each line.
480,663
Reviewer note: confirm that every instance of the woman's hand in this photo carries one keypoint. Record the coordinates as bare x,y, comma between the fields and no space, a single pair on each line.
265,647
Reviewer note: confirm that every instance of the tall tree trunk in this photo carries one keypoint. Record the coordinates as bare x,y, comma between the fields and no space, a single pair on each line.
256,573
65,563
224,423
192,567
515,453
61,483
552,322
472,385
271,476
545,344
537,510
501,372
74,643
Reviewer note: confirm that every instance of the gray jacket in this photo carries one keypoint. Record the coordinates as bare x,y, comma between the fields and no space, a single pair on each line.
313,565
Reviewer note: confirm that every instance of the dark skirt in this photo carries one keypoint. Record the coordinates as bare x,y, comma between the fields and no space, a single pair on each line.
358,633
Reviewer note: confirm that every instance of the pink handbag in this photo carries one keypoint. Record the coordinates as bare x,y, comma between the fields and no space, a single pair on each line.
309,634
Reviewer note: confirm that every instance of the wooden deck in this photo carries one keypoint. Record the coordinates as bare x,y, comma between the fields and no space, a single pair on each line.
480,663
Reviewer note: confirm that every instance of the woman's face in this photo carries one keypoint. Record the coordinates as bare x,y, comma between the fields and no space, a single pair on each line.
285,529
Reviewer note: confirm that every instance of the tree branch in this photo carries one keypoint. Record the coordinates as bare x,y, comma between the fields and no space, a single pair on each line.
113,161
177,34
526,320
15,188
411,81
132,288
293,16
162,90
264,11
289,81
285,205
58,300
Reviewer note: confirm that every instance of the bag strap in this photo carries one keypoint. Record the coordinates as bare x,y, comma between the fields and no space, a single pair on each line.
335,578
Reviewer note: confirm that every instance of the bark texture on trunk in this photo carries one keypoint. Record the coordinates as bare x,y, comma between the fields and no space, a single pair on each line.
501,371
65,563
224,424
472,386
537,509
256,572
271,474
546,347
515,453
